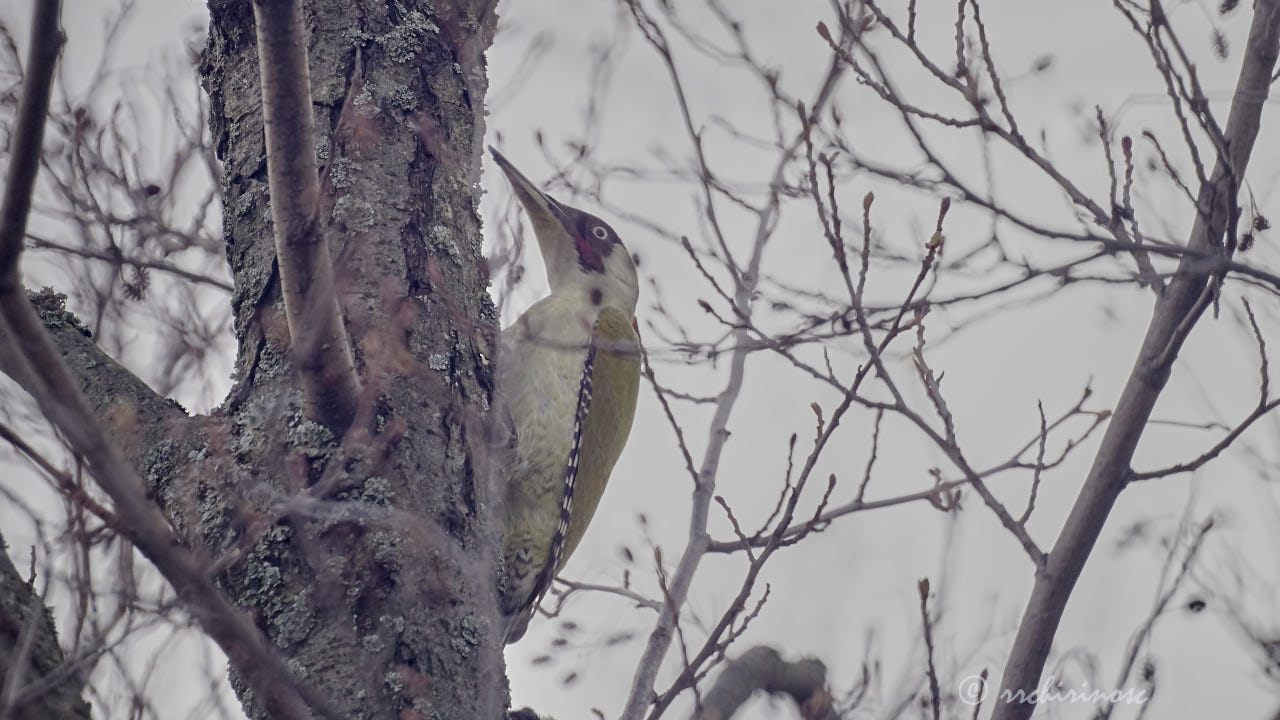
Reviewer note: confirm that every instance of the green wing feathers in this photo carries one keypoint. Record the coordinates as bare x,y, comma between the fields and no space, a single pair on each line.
615,386
560,470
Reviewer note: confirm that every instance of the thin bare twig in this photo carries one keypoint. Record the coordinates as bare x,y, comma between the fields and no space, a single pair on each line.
935,693
44,243
1162,602
1110,470
1039,469
642,692
1265,405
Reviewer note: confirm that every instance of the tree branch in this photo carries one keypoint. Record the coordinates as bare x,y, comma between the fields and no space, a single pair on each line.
119,259
642,687
26,142
28,354
34,682
1110,470
761,668
319,339
139,417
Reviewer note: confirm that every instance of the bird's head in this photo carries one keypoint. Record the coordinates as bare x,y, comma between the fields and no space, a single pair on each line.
582,253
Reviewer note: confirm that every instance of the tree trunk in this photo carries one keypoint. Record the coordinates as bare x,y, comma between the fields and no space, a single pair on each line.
35,684
367,560
382,595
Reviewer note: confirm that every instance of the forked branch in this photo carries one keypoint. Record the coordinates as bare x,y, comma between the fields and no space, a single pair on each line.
1175,312
29,356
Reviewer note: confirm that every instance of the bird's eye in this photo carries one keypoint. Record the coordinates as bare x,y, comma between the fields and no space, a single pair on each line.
600,232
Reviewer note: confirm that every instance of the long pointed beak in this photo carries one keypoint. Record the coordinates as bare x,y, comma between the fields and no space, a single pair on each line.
535,202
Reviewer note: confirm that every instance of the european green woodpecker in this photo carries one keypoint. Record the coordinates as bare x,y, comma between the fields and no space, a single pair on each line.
568,377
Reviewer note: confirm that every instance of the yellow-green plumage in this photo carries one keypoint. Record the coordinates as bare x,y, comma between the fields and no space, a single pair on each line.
567,381
541,393
616,383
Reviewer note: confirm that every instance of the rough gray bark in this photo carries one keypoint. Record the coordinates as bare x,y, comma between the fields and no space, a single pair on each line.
384,598
367,560
35,683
